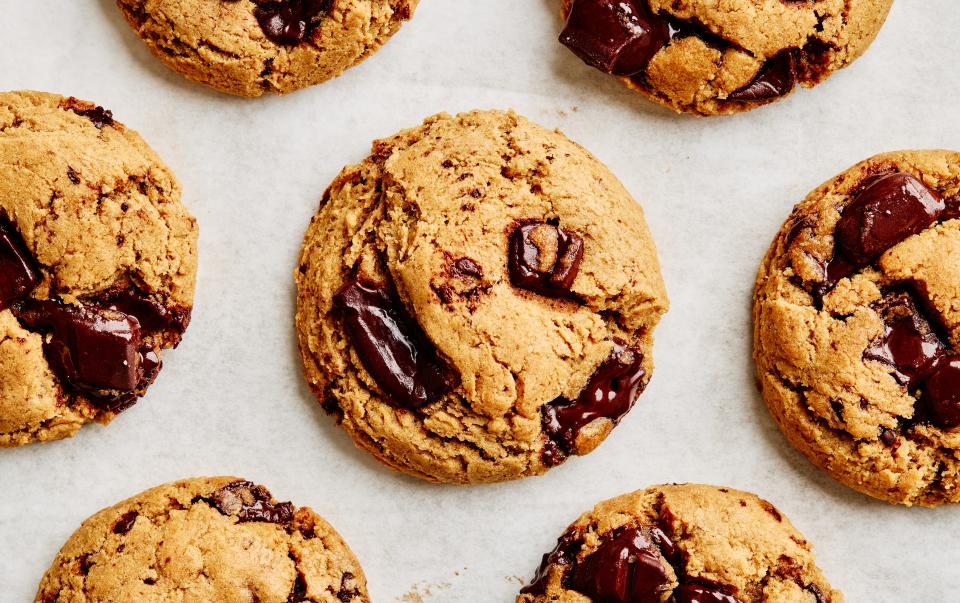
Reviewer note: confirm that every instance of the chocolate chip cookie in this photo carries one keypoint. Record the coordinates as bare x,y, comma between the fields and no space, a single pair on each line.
681,544
97,266
712,57
857,323
205,539
250,47
477,299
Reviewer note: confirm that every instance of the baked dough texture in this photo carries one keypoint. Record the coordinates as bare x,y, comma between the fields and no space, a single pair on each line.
201,540
713,50
221,43
99,212
820,357
698,543
433,210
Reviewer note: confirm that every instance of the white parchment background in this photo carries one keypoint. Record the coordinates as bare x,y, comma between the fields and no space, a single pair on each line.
231,399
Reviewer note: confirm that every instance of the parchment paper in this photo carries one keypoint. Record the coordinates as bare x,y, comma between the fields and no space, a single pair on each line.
231,399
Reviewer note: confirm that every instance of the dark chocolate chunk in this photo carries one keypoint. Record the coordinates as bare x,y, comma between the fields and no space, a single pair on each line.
290,22
888,436
465,268
952,208
694,28
348,588
627,568
908,343
545,258
942,392
90,348
776,78
18,270
298,593
818,595
834,271
615,36
153,316
99,116
249,502
565,553
890,209
610,393
125,523
886,209
696,593
392,346
920,359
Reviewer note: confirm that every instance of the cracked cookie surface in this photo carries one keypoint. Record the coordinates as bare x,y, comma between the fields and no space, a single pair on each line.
685,543
712,57
251,47
97,266
856,326
205,539
477,299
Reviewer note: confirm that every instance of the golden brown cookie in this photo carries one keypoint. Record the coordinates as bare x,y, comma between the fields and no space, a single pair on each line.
477,299
681,544
206,539
711,57
249,47
857,322
97,266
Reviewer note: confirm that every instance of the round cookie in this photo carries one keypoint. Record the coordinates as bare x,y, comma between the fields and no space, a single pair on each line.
681,544
205,539
97,266
712,57
249,47
477,299
856,326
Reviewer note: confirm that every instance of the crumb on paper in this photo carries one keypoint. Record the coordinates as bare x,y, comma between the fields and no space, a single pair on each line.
422,593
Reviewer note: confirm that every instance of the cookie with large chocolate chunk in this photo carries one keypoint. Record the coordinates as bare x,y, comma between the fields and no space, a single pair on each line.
477,299
857,327
684,543
205,539
97,266
711,57
252,47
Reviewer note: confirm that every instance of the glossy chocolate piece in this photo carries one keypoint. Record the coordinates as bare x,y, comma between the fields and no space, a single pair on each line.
891,208
886,210
615,36
908,343
627,568
565,553
249,502
545,258
942,392
610,393
921,362
776,78
290,22
153,316
392,346
91,348
696,593
18,270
